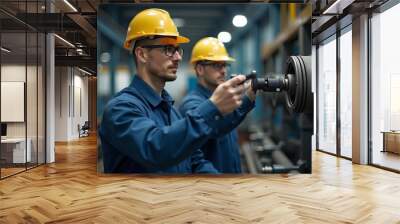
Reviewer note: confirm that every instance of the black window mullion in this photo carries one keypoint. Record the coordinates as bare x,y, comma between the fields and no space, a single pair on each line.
338,98
26,86
37,90
317,96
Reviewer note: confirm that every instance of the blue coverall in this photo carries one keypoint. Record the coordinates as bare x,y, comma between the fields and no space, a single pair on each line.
222,149
142,132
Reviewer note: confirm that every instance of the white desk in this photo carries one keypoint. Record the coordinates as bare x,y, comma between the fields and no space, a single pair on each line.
18,149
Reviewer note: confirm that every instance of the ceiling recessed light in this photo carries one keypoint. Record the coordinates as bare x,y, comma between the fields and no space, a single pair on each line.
5,50
64,40
71,6
224,37
239,21
84,71
105,57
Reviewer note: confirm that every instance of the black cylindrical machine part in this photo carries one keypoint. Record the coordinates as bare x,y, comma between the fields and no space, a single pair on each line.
277,84
296,83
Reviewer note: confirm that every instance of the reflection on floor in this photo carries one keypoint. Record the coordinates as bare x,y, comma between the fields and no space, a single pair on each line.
386,159
11,169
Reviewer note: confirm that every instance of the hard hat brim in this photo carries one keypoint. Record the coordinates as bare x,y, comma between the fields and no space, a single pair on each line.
179,40
182,40
219,58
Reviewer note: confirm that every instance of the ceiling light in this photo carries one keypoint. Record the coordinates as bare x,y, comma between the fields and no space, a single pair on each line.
239,21
224,37
105,57
337,7
71,6
5,49
84,71
65,41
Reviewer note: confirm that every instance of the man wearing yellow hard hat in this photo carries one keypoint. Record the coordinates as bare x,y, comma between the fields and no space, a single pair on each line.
210,60
141,131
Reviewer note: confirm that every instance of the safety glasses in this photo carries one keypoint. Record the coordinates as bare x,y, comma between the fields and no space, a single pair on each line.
216,65
168,50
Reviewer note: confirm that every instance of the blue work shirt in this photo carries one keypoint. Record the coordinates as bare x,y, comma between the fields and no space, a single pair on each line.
141,132
223,148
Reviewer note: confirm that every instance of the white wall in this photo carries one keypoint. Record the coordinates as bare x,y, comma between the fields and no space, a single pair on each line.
12,73
80,85
61,103
33,126
71,87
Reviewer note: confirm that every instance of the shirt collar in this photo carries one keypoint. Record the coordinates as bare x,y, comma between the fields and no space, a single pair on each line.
203,90
149,94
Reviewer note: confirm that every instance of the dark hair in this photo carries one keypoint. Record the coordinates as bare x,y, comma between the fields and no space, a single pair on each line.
134,56
138,43
197,63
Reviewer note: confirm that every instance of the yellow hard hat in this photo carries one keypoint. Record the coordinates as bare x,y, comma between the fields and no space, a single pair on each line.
211,49
152,22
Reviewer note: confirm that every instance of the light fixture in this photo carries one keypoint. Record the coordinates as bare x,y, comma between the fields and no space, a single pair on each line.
179,22
70,5
79,44
224,37
84,71
239,20
105,57
5,49
65,41
337,7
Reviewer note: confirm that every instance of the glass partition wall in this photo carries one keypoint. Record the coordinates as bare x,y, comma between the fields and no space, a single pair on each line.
385,89
334,93
22,77
345,65
327,95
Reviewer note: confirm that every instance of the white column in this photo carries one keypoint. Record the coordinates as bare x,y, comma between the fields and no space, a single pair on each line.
50,92
360,90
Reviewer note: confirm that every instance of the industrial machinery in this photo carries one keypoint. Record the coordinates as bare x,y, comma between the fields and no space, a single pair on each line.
296,85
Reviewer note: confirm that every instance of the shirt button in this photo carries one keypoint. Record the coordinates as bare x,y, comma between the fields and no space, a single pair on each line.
217,117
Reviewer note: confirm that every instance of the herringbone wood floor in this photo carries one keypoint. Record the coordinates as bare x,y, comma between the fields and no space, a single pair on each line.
70,191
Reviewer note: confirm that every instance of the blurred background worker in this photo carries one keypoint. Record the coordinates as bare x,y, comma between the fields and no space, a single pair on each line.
141,131
210,60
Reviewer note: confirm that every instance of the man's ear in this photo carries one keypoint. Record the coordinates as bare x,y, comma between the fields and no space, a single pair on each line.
141,55
199,70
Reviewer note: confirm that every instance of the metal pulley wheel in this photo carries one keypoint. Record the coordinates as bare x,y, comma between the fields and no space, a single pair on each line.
298,93
295,83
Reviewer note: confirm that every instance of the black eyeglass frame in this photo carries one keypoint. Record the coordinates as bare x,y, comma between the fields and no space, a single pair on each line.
215,64
166,49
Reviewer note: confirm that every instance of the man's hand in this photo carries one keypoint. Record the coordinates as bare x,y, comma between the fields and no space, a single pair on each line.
228,95
249,91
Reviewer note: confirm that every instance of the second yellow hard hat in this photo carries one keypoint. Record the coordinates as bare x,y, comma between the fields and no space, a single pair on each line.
211,49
